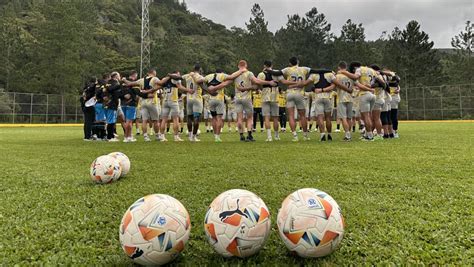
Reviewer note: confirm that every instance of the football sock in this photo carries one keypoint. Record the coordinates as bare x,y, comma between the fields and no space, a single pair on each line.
269,133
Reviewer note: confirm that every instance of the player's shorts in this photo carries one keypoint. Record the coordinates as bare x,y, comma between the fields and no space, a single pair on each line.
138,113
193,106
244,105
386,105
344,110
231,115
270,109
367,102
395,101
295,100
150,111
129,112
170,109
99,112
216,107
111,116
312,111
207,114
181,113
323,105
379,102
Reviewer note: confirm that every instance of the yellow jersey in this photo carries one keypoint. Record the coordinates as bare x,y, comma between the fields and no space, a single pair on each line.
170,90
269,94
216,79
282,99
329,77
295,74
148,83
342,95
191,83
257,99
367,77
244,80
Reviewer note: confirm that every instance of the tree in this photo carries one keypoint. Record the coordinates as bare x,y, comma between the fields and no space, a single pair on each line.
258,39
464,41
352,33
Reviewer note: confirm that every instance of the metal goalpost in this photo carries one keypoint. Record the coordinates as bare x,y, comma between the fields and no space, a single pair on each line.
145,37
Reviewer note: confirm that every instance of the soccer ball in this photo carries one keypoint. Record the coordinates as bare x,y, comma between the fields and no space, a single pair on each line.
310,223
237,223
123,160
154,230
105,169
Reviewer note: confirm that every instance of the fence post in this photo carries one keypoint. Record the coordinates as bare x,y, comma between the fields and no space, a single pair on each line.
76,112
406,101
62,108
47,107
13,109
424,108
441,100
31,108
460,100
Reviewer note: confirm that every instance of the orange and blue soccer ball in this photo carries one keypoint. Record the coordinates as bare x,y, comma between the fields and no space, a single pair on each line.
154,230
105,169
310,223
124,162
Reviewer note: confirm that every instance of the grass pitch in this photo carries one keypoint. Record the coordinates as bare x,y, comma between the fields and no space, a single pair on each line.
405,201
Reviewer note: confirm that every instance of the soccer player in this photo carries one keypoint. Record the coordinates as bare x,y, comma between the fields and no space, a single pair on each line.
365,77
257,109
324,82
295,95
214,84
379,102
111,97
282,109
129,99
270,100
149,88
88,94
243,85
344,107
207,113
99,131
181,101
394,84
231,115
170,106
194,101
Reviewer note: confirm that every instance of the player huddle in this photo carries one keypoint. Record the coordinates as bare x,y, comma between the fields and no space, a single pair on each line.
364,95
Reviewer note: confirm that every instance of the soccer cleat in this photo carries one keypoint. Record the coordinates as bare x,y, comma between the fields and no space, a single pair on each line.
366,139
295,139
277,138
250,139
126,140
147,138
329,137
94,137
396,136
195,139
218,140
346,139
283,130
242,138
178,139
87,140
113,140
116,135
322,139
132,140
338,131
163,139
269,140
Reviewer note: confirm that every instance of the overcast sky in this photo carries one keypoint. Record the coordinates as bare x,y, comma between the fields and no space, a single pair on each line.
441,19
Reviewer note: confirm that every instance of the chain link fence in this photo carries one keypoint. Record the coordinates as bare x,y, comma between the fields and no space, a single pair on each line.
446,102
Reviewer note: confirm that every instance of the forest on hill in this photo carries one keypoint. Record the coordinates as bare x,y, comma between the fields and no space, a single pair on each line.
53,46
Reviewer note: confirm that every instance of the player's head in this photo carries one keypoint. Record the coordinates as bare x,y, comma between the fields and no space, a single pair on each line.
115,75
294,61
267,64
152,72
242,64
342,65
375,67
219,70
133,75
353,66
197,68
106,77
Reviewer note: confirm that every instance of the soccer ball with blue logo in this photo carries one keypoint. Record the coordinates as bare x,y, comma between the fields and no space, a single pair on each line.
154,230
310,223
237,223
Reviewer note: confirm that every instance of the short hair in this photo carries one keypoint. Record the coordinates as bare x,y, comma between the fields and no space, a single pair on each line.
375,67
294,61
354,65
197,67
114,74
242,63
342,65
133,72
267,63
106,76
150,71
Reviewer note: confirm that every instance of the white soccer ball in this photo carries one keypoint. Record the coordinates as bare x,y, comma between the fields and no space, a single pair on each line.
310,223
237,223
105,169
154,230
124,162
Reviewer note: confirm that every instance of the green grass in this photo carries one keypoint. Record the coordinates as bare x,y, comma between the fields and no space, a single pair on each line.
405,201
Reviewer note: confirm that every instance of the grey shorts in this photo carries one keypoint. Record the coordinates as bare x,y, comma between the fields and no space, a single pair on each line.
244,105
344,110
231,116
367,102
295,100
312,112
181,114
395,101
217,106
150,111
169,109
207,114
138,113
379,104
193,106
270,109
386,105
323,105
